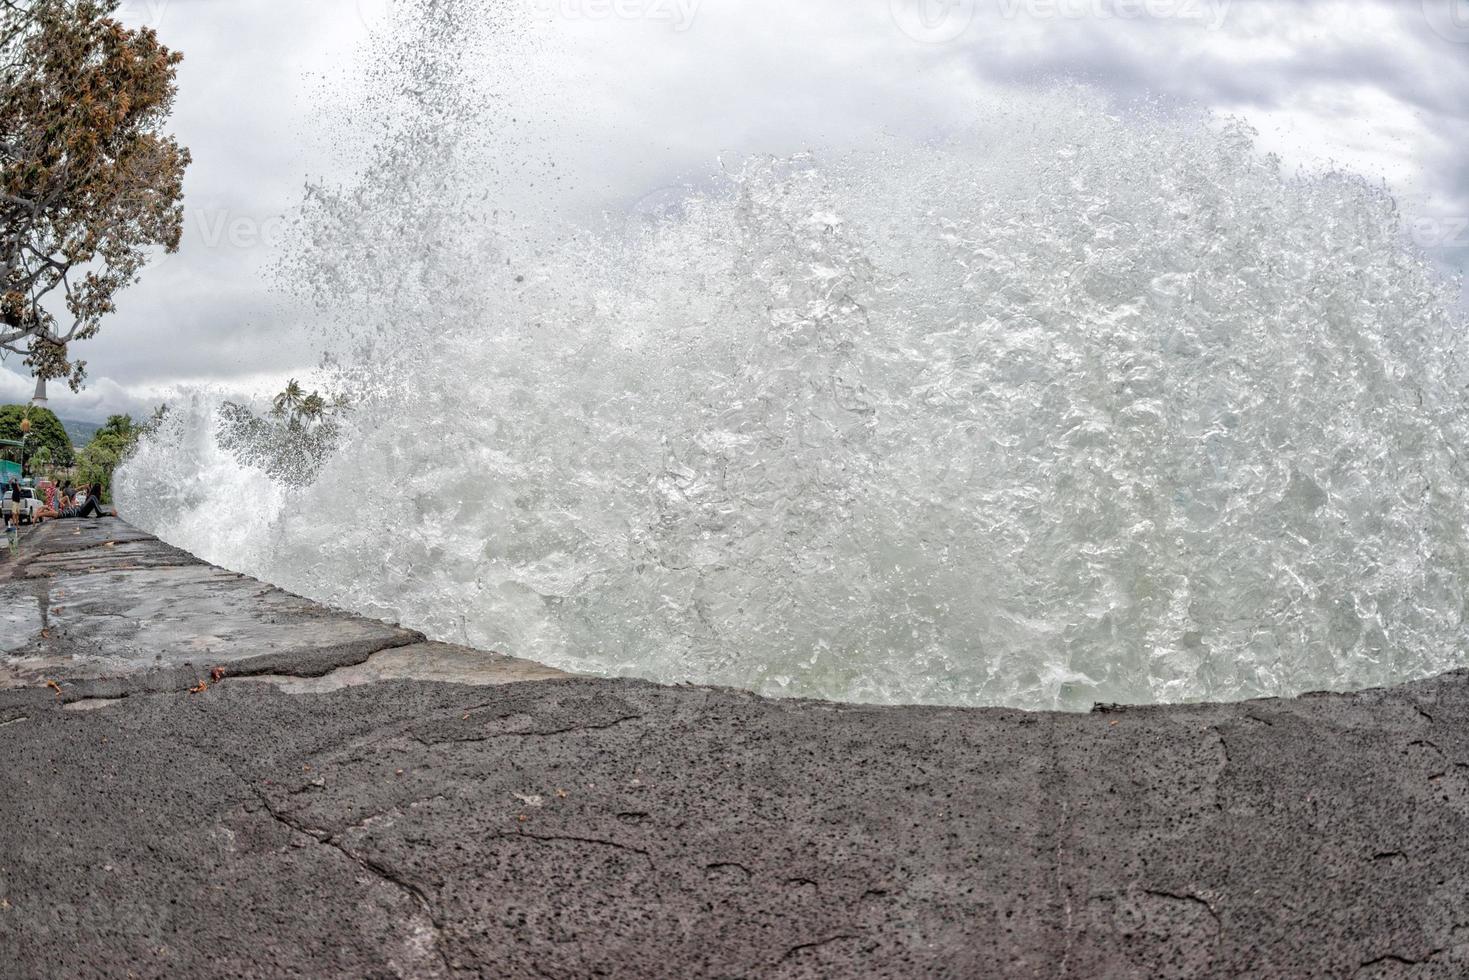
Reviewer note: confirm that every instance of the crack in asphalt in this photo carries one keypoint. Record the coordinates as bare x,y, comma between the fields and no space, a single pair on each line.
57,564
812,945
383,873
326,839
1191,898
1186,897
361,824
232,670
572,838
1402,960
375,868
549,734
729,864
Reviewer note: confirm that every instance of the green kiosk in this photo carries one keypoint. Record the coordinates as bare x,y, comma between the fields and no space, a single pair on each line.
8,470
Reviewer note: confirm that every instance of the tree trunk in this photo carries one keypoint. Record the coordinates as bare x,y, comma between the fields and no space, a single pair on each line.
39,398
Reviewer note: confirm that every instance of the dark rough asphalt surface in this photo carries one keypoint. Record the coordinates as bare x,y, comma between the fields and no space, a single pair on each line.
577,828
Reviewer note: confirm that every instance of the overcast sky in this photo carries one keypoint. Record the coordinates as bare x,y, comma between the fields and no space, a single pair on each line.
656,89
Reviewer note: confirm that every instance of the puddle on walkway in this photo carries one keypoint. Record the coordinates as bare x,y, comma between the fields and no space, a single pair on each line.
91,704
20,620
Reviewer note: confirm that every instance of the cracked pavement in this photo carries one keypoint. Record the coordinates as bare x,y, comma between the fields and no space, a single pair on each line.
536,825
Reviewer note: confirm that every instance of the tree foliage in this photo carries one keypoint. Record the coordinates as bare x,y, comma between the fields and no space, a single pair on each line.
110,445
89,182
46,432
292,441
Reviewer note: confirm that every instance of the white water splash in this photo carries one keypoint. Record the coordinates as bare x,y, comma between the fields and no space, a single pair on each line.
1068,408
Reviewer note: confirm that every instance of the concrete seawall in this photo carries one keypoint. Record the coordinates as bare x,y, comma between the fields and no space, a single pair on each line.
271,788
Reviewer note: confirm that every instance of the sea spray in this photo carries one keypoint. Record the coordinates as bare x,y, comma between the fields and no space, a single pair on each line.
1072,406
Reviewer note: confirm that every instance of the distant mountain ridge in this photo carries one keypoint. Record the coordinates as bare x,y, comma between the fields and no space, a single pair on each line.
80,433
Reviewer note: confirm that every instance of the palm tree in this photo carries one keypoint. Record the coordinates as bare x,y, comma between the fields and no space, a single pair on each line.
312,406
290,399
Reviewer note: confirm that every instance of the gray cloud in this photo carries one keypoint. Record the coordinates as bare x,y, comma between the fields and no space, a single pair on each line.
628,106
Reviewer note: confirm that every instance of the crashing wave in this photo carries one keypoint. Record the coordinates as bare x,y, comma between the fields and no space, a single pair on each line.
1071,407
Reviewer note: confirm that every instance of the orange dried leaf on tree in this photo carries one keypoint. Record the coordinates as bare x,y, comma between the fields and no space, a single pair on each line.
93,181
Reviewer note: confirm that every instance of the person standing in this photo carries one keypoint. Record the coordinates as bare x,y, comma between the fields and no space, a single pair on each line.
10,502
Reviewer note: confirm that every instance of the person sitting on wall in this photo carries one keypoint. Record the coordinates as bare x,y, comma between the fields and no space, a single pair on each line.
88,504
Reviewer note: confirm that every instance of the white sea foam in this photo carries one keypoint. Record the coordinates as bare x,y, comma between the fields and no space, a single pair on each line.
1069,407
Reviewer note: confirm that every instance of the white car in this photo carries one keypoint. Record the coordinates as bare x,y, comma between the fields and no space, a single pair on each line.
29,504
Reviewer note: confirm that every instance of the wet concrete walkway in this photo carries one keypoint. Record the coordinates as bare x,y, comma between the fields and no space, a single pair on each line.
265,789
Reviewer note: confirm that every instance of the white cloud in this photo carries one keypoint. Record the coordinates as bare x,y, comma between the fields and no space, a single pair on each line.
625,105
14,388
